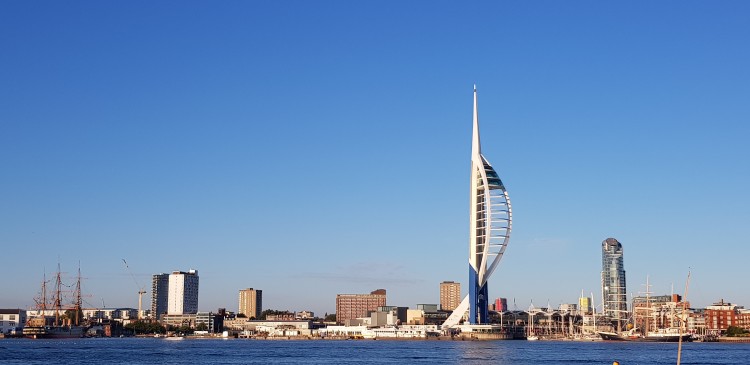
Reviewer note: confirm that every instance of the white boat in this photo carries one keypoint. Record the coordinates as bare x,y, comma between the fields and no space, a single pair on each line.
586,337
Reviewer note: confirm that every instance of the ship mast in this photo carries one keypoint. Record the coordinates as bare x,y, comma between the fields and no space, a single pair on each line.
58,295
78,299
683,318
43,304
648,305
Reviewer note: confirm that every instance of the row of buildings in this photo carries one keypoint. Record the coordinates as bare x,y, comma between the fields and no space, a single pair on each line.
565,320
177,294
174,302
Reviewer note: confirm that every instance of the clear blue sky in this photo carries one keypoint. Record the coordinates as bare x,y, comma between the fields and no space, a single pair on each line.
314,148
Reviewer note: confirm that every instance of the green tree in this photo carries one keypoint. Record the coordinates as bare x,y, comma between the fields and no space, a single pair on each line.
201,327
330,317
734,331
156,327
143,327
185,329
71,315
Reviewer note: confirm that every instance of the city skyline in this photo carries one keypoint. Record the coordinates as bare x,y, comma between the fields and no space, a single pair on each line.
326,145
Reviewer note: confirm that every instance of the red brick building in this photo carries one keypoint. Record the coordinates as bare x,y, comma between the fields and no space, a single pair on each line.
351,306
722,315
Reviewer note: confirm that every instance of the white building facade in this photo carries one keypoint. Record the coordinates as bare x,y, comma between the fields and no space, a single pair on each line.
12,321
183,293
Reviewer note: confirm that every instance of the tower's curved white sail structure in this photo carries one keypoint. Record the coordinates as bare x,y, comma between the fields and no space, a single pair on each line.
490,224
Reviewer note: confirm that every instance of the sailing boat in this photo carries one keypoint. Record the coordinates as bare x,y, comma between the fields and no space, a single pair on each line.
42,326
530,336
587,332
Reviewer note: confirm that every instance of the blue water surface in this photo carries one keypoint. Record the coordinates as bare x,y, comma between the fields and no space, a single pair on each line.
241,351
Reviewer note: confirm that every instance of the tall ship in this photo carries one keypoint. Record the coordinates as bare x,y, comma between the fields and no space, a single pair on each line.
655,319
55,320
635,335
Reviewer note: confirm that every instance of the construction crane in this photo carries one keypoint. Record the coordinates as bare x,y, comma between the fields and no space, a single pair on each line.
141,290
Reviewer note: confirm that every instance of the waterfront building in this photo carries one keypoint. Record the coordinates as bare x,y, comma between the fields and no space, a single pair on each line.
399,313
656,299
614,293
415,316
41,313
183,293
12,321
585,304
116,314
437,318
364,332
214,321
696,322
658,311
501,304
251,302
428,307
490,221
263,325
568,308
178,320
352,306
450,295
159,294
280,316
381,319
304,315
721,315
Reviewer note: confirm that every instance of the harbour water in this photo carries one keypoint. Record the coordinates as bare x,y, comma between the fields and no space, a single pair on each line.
234,351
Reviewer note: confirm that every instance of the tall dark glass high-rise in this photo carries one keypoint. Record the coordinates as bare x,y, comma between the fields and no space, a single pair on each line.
614,291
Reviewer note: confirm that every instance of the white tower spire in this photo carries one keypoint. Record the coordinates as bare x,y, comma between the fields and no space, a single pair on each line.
490,221
475,146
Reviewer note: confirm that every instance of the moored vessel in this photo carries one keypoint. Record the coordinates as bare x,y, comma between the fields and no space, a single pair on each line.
662,335
51,323
651,322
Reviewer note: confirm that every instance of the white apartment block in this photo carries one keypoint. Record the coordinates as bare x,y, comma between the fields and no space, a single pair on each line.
183,293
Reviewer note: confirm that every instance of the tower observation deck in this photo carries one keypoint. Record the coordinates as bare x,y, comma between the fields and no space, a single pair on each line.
490,223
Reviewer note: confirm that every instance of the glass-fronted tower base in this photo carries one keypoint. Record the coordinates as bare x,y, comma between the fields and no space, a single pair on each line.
478,312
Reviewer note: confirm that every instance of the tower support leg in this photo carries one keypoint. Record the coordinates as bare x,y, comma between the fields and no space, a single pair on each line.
478,312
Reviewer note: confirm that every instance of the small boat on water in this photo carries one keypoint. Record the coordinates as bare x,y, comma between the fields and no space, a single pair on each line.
586,337
532,338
